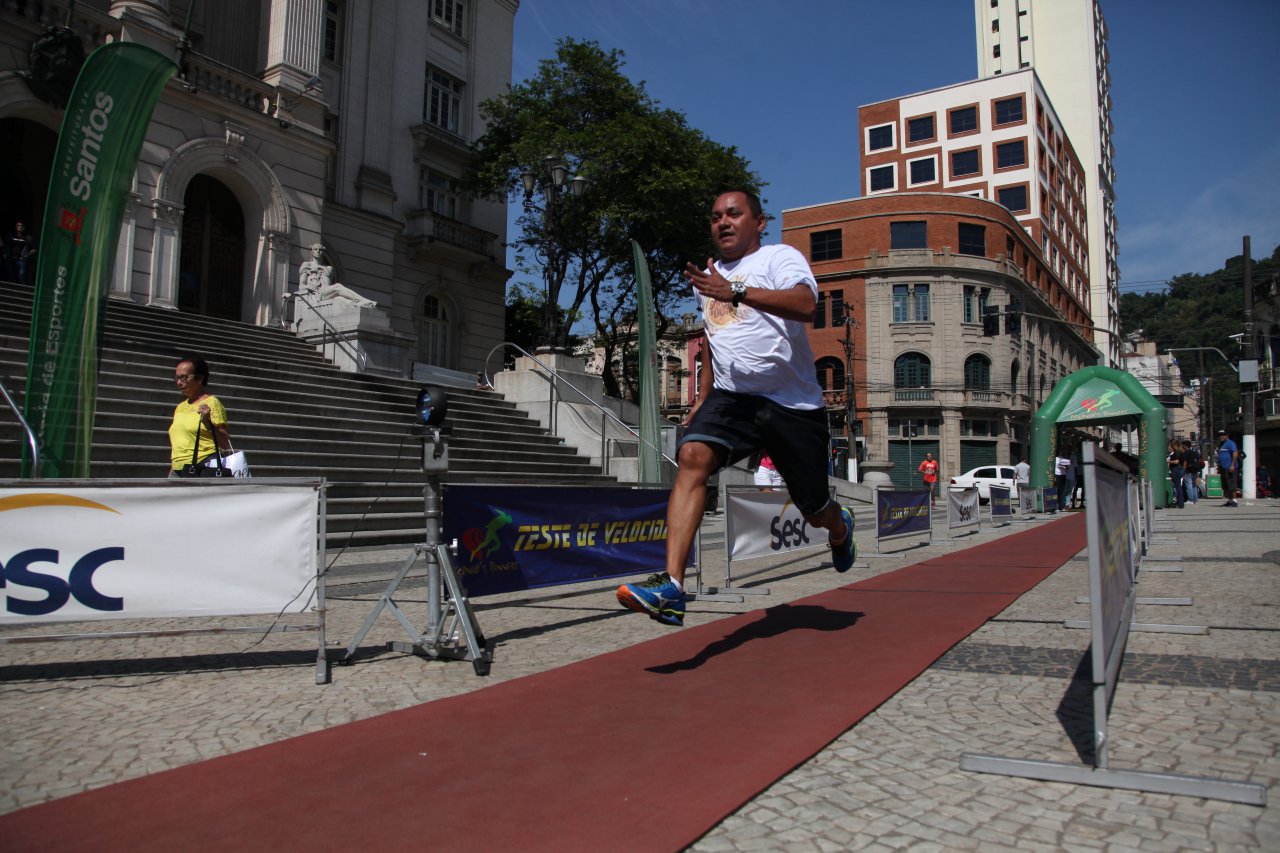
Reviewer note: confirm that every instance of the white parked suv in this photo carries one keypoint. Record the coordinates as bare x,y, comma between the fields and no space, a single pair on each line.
987,476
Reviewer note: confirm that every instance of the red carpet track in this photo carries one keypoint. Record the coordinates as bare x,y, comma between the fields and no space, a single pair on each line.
646,748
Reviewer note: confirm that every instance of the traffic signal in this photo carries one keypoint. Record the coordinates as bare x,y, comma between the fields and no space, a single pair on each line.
1013,318
990,321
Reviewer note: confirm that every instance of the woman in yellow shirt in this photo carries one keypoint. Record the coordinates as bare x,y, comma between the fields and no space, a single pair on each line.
192,417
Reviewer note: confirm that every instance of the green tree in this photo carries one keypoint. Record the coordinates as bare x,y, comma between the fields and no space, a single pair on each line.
650,177
1202,311
526,317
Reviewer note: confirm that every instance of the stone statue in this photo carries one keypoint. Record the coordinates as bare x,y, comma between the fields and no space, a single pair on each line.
315,279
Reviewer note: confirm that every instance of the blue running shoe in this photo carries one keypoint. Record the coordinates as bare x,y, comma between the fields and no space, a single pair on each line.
842,555
658,597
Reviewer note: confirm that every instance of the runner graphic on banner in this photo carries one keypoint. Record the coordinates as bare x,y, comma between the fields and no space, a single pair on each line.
93,167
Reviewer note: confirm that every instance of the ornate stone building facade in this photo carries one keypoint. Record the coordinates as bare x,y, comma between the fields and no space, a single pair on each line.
290,123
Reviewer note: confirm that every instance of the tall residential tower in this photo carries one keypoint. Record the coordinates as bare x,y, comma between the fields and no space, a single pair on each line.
1065,41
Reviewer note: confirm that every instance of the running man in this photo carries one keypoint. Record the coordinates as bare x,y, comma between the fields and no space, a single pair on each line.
758,391
929,471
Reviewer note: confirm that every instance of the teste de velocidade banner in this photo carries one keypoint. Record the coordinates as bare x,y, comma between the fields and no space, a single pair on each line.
93,167
524,537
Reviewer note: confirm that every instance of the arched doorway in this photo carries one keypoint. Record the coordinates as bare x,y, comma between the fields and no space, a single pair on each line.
26,159
211,268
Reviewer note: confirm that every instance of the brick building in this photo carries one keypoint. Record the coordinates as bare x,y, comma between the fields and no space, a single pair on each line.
972,197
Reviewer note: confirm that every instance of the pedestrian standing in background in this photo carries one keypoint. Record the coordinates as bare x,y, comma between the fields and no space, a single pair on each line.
1023,473
767,476
1073,474
1192,463
1060,466
1228,466
1177,471
19,246
199,427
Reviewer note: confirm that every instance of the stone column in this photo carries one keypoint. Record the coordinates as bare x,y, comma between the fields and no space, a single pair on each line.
373,110
276,279
147,22
164,253
294,31
122,277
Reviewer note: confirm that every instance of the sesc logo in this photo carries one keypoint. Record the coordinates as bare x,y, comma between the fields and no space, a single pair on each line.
19,570
789,534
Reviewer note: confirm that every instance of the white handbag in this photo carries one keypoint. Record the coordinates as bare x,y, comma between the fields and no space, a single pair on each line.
234,464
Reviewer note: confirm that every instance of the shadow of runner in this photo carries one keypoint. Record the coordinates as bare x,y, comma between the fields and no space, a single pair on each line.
776,620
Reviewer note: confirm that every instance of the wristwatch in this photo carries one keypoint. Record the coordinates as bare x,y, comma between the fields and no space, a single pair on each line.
739,292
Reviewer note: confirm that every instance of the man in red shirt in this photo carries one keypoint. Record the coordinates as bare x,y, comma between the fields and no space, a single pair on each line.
929,468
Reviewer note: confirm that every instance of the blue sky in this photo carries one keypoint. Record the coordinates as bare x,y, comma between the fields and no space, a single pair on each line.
1194,93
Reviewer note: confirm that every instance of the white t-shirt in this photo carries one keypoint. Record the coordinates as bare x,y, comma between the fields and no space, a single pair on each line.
757,353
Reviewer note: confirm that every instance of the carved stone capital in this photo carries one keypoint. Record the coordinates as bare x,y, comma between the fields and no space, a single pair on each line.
166,212
234,136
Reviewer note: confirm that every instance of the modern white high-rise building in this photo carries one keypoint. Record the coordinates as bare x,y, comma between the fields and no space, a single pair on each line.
1065,41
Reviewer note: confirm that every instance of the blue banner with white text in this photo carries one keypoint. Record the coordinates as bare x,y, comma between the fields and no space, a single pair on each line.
1000,503
899,513
523,537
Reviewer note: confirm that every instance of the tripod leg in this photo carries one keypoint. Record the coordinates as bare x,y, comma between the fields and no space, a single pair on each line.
385,601
480,656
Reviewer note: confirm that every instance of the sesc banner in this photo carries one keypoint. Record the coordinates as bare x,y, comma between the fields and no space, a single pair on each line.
75,553
521,537
962,508
758,524
93,167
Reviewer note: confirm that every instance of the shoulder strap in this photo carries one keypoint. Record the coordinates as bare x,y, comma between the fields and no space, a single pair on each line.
195,451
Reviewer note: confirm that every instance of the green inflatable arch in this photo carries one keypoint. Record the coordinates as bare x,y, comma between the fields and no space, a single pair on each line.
1097,396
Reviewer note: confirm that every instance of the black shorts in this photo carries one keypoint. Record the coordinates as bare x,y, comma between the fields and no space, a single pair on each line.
796,439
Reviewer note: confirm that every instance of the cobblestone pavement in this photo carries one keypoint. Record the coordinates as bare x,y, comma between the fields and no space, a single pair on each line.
85,714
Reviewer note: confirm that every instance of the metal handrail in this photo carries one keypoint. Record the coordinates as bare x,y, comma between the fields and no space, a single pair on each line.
556,379
361,360
31,435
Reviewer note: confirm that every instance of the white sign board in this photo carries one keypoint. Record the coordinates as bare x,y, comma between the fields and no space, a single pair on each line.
962,508
72,552
762,523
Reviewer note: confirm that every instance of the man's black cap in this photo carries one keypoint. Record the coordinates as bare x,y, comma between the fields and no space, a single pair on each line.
1222,432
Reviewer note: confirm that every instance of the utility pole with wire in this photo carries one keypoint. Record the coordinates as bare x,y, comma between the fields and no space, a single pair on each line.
1248,386
851,407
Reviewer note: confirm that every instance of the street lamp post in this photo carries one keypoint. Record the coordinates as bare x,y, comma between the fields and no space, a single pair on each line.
551,176
1206,406
911,434
851,407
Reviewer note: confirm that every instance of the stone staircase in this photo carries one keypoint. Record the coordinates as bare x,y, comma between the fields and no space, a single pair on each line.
291,411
